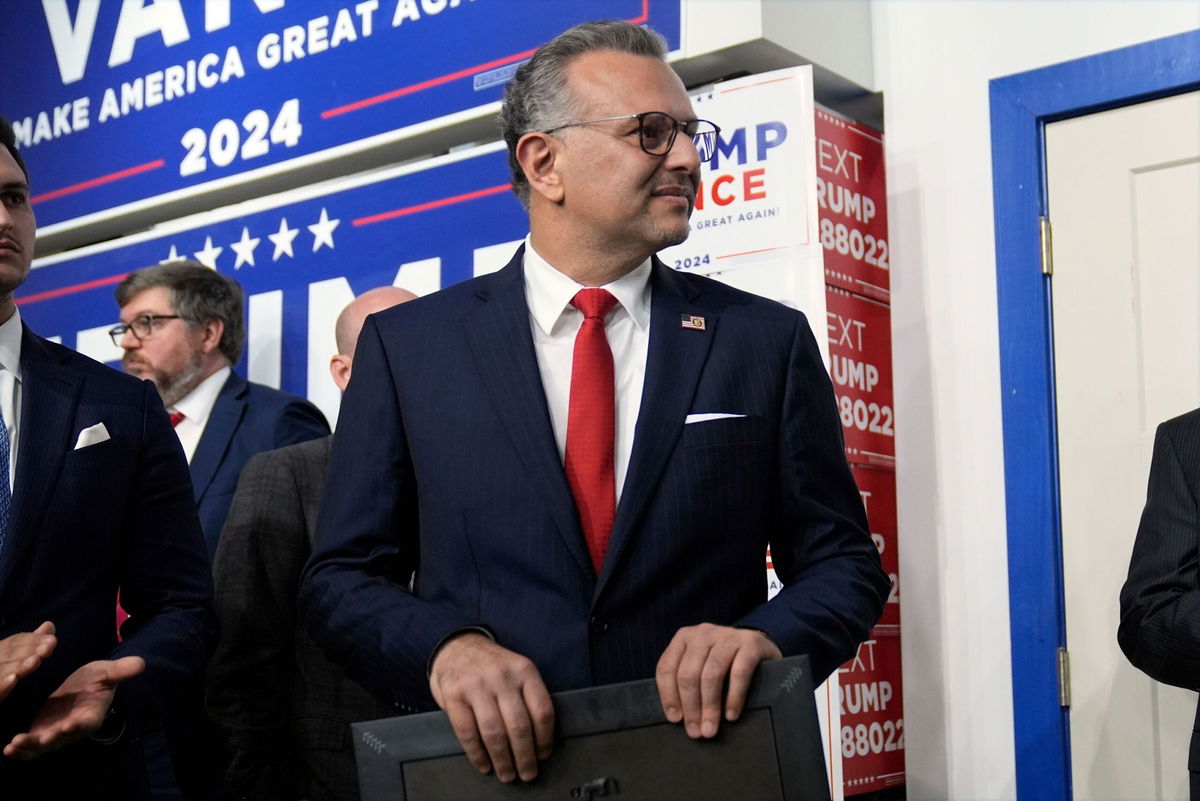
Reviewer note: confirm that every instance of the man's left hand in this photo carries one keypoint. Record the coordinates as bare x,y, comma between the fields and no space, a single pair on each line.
692,672
76,709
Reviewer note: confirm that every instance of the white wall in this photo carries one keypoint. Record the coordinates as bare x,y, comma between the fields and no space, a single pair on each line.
933,61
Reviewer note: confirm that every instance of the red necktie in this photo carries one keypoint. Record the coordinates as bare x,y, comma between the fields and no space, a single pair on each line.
176,418
590,424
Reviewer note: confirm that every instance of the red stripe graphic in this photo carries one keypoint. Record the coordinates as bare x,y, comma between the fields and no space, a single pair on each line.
433,204
93,183
422,86
70,290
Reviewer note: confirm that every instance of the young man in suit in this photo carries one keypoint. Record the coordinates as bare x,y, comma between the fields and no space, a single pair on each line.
579,461
1160,602
181,327
94,494
283,706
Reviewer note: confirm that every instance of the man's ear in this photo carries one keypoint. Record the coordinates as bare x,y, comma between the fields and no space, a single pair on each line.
339,368
538,154
211,332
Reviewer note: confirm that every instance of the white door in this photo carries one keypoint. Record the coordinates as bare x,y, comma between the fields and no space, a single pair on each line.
1124,199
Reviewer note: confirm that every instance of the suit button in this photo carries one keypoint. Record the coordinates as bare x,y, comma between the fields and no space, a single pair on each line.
599,626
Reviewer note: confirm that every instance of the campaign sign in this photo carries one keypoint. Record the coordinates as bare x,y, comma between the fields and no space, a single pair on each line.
872,716
852,197
757,195
860,363
872,706
755,220
878,490
301,257
119,105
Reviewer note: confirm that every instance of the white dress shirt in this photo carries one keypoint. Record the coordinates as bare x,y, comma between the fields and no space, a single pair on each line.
195,407
555,322
10,386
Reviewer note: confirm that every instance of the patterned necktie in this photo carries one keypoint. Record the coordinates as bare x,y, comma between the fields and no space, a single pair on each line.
176,418
591,421
5,488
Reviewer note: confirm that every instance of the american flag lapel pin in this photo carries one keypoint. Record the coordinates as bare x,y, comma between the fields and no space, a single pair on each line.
692,321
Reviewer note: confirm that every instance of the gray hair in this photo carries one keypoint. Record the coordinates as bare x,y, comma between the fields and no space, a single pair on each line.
537,97
198,294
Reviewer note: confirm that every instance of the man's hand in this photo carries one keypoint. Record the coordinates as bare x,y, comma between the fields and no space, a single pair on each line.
76,708
691,674
497,703
21,654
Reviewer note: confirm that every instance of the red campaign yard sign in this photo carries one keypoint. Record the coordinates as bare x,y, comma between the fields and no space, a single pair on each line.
872,716
878,490
860,363
852,206
872,706
871,699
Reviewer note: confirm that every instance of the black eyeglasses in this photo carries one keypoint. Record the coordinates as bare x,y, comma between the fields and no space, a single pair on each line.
142,327
657,130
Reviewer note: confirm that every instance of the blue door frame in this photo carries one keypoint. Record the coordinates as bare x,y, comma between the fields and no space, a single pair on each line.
1021,105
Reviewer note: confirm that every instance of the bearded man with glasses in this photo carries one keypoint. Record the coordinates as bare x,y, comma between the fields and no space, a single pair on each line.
182,328
583,457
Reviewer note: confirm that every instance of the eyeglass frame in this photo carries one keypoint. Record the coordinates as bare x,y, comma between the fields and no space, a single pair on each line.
118,330
675,129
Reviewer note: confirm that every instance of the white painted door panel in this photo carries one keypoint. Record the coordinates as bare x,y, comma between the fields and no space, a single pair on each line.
1124,197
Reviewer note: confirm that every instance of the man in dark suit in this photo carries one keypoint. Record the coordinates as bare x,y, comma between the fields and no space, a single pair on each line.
181,327
579,462
100,498
1160,602
284,707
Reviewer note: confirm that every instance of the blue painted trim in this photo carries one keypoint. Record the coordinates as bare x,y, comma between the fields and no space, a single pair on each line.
1021,105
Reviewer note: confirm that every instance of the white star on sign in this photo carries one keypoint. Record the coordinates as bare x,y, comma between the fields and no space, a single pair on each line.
172,256
244,248
322,231
283,240
208,256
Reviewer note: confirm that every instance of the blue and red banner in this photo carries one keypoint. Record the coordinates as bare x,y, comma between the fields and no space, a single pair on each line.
118,105
300,257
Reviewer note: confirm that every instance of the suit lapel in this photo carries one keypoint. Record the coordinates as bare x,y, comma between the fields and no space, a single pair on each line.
502,345
673,365
223,421
49,398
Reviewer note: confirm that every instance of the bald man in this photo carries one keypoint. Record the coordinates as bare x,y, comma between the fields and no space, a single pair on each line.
285,708
351,320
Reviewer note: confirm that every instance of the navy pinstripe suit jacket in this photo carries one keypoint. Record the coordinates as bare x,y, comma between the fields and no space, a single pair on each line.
85,521
1160,602
444,463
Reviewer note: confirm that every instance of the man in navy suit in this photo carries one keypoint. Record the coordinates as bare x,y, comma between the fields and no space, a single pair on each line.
99,498
181,327
579,461
1160,602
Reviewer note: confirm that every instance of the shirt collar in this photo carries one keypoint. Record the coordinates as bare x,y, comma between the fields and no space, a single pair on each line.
197,405
10,344
548,291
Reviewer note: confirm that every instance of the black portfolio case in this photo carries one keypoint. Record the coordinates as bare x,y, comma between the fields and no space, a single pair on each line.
614,742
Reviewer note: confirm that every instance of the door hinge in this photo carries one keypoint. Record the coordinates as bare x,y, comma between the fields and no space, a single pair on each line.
1064,678
1047,245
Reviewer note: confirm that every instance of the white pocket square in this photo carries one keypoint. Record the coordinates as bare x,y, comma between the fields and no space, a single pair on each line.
92,435
706,416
